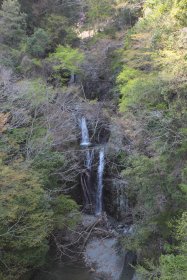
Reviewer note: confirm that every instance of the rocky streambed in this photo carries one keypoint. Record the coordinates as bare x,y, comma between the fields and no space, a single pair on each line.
105,258
97,254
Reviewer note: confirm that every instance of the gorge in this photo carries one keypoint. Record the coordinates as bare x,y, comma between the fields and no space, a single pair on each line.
104,253
93,129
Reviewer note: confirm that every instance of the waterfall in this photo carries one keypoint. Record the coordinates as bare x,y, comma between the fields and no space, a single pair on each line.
85,135
72,79
99,194
86,175
86,179
89,159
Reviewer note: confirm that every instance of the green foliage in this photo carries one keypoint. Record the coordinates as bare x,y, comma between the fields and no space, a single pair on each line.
152,189
66,212
14,141
181,7
98,11
148,179
149,271
181,232
48,163
138,89
30,182
173,267
38,43
127,74
25,221
18,135
10,57
36,91
67,58
152,87
28,214
59,29
12,23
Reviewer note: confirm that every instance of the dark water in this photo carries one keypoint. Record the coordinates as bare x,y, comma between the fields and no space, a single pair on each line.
64,272
128,270
75,272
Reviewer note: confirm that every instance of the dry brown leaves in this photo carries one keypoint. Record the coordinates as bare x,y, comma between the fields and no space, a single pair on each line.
4,117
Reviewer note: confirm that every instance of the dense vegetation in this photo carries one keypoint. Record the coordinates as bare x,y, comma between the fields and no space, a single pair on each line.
41,49
153,86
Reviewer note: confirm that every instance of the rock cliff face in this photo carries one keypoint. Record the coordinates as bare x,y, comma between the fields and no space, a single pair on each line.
98,79
115,199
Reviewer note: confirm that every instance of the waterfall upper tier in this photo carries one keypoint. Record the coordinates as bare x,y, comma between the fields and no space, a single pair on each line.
84,131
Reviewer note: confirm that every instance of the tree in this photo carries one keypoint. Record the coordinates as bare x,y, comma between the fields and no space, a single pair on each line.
12,23
99,11
38,43
61,32
67,58
25,221
181,15
170,264
173,267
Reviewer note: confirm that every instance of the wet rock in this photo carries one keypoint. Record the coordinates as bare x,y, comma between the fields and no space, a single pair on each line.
135,277
115,200
88,220
106,257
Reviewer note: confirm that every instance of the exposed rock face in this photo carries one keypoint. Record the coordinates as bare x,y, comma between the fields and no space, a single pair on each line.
105,257
115,200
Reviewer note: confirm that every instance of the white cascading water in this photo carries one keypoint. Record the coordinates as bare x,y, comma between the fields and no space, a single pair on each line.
99,194
85,135
85,141
85,179
89,159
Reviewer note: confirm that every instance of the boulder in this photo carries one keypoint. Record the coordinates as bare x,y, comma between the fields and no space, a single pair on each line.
106,257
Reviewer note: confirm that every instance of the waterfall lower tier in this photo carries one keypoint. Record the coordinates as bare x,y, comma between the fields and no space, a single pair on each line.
89,159
99,194
86,180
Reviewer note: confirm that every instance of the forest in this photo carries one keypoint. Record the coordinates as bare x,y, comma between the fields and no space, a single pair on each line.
93,139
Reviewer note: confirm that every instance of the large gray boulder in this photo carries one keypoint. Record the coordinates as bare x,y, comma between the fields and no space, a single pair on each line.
105,258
